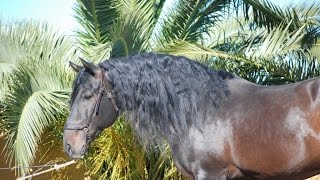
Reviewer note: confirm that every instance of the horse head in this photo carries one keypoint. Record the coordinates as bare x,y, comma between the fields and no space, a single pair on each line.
93,108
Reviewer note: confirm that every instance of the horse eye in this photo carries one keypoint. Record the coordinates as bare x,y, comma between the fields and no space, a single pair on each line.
87,95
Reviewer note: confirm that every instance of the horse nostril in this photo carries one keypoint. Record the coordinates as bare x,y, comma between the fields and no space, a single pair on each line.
83,150
69,149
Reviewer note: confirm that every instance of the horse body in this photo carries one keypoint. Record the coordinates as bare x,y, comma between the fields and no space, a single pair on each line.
258,132
217,125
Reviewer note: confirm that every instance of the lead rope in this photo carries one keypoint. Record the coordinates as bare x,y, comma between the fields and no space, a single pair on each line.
55,167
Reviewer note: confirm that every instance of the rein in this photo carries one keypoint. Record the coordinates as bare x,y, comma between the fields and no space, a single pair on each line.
106,87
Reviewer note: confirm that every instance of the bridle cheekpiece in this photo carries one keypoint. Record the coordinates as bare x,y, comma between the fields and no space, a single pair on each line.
106,87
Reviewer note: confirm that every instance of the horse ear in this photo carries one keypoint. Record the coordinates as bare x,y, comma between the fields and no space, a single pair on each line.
89,66
75,67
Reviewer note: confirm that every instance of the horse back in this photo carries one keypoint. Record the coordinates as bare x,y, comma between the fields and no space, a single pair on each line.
274,130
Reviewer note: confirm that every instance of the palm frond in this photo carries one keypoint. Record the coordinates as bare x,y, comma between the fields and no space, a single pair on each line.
278,41
315,50
116,155
231,35
124,27
32,105
119,157
202,53
131,32
236,34
264,13
306,10
191,50
159,4
38,88
95,17
188,20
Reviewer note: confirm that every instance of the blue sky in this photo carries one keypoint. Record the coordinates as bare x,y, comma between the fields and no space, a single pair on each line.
57,13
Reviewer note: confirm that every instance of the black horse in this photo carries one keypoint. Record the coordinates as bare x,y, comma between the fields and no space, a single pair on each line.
218,126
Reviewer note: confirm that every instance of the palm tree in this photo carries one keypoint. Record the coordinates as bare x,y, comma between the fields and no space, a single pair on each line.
285,53
196,29
252,38
35,85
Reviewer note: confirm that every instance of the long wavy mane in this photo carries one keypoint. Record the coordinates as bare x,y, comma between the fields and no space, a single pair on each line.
164,95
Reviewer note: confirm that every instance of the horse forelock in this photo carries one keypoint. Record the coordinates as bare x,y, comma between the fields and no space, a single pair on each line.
163,95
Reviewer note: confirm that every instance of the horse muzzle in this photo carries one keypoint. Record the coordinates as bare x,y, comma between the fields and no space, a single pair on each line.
75,143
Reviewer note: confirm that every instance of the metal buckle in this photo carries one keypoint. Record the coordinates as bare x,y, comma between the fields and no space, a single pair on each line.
85,129
109,95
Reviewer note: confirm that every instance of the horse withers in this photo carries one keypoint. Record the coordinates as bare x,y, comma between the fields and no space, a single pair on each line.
217,125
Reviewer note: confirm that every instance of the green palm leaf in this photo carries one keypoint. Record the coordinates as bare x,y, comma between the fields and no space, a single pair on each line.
282,40
95,17
264,13
38,85
278,41
120,27
32,104
189,20
125,38
132,30
191,50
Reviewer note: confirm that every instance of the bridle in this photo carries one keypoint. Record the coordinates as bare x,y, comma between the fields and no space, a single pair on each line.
105,88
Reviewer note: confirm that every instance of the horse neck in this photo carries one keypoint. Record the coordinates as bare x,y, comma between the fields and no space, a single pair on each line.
162,101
